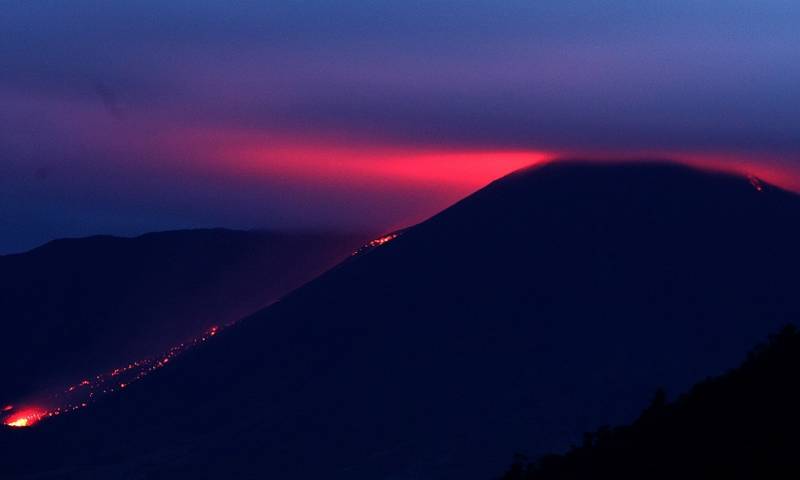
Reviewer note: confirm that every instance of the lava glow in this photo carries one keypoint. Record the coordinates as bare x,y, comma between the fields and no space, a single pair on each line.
756,183
82,394
25,418
383,240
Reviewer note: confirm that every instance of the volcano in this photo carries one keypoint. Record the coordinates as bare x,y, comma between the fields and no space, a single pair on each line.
553,301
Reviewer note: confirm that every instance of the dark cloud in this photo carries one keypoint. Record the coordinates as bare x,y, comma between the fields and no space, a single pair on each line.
445,71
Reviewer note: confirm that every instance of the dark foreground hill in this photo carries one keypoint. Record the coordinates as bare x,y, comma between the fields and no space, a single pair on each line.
551,302
744,425
75,307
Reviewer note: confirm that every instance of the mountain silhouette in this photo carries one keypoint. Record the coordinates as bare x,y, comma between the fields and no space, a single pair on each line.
553,301
741,425
75,306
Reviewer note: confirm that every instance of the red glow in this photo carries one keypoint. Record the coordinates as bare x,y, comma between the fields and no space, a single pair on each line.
433,176
337,161
25,418
461,170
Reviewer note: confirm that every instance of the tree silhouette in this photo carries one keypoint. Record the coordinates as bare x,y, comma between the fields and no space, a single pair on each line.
744,424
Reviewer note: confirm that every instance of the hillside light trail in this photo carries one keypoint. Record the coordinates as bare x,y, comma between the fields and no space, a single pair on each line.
82,394
90,389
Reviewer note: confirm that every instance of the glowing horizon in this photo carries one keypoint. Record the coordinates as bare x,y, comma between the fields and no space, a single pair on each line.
368,117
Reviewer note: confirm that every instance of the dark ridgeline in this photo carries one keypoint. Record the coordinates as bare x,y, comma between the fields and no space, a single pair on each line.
553,301
76,307
744,424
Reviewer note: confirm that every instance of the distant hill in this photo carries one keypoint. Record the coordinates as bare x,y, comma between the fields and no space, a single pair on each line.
553,301
75,306
743,424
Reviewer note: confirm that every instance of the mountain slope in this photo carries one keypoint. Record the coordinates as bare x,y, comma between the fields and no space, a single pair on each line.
554,300
74,307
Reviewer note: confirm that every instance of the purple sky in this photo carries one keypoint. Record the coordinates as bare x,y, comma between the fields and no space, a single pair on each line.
124,117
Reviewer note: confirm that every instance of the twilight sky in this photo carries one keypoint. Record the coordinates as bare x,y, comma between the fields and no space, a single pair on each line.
124,117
